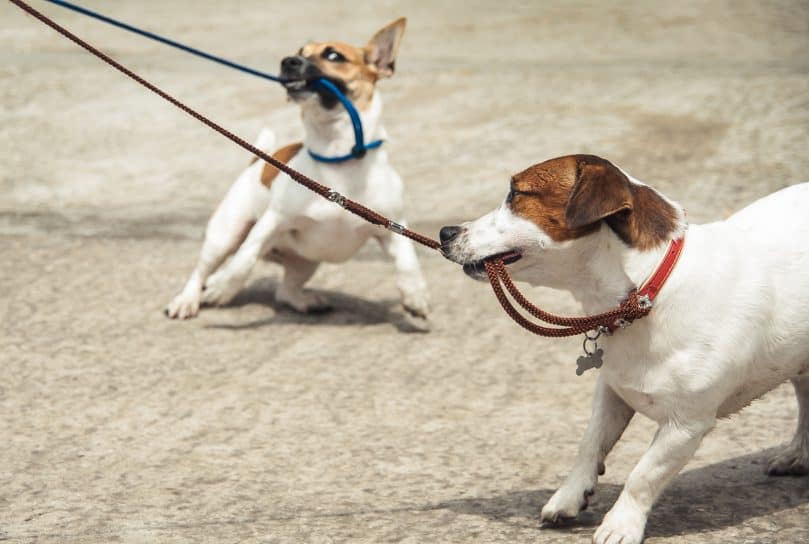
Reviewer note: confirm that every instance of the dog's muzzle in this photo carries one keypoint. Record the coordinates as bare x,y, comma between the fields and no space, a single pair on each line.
300,80
298,74
449,235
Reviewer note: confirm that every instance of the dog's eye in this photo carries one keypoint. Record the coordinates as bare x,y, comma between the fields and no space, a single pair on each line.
510,196
332,56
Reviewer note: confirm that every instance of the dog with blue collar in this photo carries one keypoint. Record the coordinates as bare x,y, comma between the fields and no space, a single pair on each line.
265,215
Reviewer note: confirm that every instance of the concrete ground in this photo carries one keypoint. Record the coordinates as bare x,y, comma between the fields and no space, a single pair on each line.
254,424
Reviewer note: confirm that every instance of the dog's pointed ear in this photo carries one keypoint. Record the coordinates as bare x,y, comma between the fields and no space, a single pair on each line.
601,191
382,49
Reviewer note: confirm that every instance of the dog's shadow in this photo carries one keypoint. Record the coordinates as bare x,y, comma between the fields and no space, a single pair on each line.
710,498
345,310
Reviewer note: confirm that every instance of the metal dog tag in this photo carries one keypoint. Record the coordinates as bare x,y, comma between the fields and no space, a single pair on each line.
588,361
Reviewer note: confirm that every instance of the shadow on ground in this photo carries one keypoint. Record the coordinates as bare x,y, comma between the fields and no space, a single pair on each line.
345,310
705,499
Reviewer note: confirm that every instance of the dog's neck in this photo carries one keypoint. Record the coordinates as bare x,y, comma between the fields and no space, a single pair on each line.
607,269
330,132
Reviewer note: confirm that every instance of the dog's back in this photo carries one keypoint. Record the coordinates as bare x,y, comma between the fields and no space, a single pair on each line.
779,218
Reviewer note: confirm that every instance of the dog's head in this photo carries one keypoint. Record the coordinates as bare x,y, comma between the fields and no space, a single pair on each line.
354,70
552,209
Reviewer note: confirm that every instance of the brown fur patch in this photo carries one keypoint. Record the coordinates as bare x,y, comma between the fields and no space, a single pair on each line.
541,193
284,155
568,197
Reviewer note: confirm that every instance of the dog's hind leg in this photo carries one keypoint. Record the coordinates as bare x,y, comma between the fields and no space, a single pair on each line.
297,272
794,460
610,417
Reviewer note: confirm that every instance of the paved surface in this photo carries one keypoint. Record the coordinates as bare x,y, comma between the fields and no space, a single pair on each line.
253,424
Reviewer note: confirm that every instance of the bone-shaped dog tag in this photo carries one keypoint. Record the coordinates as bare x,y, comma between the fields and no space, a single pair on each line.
591,360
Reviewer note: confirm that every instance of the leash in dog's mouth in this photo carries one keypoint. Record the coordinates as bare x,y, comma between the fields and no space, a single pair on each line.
478,268
315,84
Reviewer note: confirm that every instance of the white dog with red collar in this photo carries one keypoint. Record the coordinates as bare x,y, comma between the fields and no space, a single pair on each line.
729,324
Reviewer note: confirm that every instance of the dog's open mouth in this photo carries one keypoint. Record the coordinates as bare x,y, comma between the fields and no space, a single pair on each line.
477,269
296,85
299,89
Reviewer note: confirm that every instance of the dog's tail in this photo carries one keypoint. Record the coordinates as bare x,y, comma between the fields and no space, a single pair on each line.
265,142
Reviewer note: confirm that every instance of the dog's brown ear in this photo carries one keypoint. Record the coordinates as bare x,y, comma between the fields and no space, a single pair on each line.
600,191
636,213
383,48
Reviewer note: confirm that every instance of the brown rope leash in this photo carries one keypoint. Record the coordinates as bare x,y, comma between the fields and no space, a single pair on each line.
630,308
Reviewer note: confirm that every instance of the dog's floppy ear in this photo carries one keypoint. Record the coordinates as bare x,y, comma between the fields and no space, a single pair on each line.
600,191
381,51
636,213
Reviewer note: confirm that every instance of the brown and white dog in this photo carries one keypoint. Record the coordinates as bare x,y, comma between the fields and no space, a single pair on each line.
267,215
728,326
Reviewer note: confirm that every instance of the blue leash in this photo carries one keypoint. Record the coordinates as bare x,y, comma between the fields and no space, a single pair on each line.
360,147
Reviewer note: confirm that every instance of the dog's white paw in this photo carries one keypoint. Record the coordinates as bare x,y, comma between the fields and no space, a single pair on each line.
416,302
304,302
623,524
567,502
221,288
792,461
184,306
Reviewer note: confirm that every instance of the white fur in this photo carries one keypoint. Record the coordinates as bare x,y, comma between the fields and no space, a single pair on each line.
728,326
300,229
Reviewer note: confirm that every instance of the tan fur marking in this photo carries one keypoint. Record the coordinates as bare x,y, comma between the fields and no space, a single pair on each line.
568,197
284,155
360,70
541,195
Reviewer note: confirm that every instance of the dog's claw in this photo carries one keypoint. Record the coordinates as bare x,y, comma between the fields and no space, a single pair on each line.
565,505
621,525
793,461
416,302
182,307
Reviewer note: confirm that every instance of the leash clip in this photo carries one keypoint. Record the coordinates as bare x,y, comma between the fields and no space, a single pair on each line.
337,198
395,227
645,302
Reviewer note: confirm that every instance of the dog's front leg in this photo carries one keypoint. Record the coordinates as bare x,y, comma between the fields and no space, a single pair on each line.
229,279
610,417
226,229
412,287
672,447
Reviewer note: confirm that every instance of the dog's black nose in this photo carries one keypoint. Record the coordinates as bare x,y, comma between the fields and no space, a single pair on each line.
447,234
291,64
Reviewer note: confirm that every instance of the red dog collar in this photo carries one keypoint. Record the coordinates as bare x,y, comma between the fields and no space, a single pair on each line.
652,287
